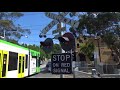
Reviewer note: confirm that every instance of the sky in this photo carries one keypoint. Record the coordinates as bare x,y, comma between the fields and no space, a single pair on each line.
36,21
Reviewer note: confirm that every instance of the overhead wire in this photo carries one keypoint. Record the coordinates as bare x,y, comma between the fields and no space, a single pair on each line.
36,29
35,13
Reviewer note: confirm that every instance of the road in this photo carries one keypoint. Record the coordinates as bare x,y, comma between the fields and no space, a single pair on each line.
46,74
77,74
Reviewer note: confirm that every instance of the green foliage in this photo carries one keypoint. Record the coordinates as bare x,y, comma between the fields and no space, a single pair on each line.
88,49
12,31
105,25
43,54
13,41
56,49
101,21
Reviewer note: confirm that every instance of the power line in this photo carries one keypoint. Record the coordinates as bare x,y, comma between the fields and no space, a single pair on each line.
45,34
41,30
30,41
31,14
31,26
38,29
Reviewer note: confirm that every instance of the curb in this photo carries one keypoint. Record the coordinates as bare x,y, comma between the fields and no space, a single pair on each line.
31,75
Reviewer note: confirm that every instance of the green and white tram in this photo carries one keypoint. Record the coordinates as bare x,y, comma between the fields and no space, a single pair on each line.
34,62
17,61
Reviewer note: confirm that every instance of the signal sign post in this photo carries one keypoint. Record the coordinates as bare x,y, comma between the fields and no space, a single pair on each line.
63,63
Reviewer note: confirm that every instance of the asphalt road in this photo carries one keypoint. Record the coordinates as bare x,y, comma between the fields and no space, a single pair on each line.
78,74
45,74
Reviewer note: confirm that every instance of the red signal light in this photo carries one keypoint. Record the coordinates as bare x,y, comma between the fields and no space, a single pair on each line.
78,45
66,43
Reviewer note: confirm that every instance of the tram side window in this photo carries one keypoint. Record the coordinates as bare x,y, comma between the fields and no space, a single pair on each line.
13,59
0,60
4,58
39,62
26,62
23,65
34,58
0,56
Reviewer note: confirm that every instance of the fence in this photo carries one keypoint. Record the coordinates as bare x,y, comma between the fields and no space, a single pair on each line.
82,70
108,69
103,70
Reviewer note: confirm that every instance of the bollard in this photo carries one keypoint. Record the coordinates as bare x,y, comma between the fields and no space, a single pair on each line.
94,73
74,72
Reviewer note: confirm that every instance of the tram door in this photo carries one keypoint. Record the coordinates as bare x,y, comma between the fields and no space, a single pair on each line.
21,65
0,63
3,63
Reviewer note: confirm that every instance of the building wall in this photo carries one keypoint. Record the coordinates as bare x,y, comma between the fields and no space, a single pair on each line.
105,52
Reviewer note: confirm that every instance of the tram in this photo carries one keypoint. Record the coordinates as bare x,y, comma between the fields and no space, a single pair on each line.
17,61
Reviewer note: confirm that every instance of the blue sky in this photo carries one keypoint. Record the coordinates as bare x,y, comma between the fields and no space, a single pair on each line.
35,21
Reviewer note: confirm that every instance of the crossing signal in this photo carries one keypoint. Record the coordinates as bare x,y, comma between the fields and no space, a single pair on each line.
82,57
78,45
42,36
47,45
67,41
44,44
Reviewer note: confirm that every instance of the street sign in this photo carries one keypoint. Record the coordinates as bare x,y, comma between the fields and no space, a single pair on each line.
61,63
64,13
60,18
53,23
59,30
56,36
49,26
73,55
74,14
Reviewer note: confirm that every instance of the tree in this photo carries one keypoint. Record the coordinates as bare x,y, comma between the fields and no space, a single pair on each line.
42,55
87,49
56,49
7,24
13,41
103,25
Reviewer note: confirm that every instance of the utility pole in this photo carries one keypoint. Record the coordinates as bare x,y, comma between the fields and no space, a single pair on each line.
61,75
61,33
4,34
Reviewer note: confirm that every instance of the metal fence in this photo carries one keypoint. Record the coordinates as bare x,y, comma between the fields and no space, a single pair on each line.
110,76
81,74
108,69
82,70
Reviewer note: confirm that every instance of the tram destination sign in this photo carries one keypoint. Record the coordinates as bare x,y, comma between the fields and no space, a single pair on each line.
61,63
